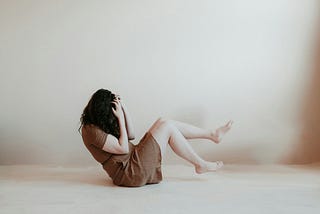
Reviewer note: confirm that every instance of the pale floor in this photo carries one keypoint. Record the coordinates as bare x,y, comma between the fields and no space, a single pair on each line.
234,189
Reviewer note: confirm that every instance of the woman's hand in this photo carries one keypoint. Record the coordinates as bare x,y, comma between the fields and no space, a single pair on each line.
117,97
117,111
127,118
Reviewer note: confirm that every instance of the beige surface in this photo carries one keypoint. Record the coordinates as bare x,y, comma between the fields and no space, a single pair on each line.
235,189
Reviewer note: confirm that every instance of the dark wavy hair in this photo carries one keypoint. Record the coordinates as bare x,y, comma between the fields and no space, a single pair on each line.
99,112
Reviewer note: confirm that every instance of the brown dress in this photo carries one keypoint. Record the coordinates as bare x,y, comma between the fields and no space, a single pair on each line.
142,165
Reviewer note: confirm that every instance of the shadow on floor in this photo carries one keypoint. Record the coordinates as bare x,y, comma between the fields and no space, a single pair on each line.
72,175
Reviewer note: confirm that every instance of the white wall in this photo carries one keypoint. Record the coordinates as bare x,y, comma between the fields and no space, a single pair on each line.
202,62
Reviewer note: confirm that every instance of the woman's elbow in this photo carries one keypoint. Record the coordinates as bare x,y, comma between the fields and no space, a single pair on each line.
124,151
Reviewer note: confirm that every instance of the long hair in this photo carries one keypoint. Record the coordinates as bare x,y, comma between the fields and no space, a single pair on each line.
99,112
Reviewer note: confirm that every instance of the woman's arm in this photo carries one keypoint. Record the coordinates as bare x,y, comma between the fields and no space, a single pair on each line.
128,121
123,139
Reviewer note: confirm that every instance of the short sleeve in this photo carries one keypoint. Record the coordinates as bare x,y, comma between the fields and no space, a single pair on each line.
100,138
93,135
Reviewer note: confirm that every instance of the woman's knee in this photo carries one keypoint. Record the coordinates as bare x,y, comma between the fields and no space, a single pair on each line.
164,122
161,125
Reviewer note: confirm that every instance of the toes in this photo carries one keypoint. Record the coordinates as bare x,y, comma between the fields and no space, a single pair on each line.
229,124
219,164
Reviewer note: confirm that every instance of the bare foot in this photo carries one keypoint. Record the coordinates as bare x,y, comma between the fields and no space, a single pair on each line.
217,135
209,167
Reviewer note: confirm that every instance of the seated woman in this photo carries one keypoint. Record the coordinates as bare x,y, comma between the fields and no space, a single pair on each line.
107,132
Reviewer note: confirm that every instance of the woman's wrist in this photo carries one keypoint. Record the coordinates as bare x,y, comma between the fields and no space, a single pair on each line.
123,106
121,119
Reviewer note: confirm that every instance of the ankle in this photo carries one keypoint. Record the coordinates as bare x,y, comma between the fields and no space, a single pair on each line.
201,168
200,165
214,136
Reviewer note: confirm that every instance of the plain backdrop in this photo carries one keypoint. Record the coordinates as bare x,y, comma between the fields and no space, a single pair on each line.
201,62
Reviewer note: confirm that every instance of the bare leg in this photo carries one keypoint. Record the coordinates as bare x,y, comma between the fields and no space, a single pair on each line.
165,132
192,132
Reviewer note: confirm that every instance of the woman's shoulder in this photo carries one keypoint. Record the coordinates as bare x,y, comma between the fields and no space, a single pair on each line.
93,135
88,127
91,128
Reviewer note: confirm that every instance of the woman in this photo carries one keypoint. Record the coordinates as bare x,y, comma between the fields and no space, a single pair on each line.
107,130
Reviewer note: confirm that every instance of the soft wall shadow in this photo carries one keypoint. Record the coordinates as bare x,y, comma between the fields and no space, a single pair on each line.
17,147
307,148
